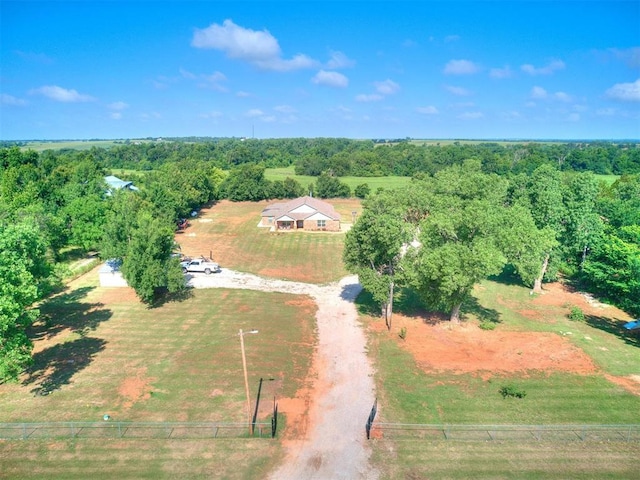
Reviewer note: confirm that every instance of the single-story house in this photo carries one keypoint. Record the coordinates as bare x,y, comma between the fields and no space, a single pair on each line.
114,183
110,274
304,213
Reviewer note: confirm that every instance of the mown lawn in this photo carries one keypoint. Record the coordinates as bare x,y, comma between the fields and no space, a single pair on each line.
407,394
230,232
105,353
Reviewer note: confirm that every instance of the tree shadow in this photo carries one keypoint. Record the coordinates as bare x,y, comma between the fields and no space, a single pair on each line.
615,327
350,292
53,367
164,296
483,314
67,312
508,276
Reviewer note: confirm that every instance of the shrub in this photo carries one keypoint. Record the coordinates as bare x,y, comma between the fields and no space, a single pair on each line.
487,325
576,314
511,391
403,333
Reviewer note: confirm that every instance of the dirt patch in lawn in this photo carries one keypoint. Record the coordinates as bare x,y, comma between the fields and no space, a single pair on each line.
135,388
630,383
466,348
558,294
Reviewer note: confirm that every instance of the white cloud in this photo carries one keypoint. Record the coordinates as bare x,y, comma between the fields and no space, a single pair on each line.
630,56
546,70
625,92
330,79
387,87
285,109
470,115
6,99
504,72
116,115
374,97
259,48
562,96
408,43
60,94
254,112
538,92
573,117
460,67
118,106
459,91
242,94
430,110
451,38
339,60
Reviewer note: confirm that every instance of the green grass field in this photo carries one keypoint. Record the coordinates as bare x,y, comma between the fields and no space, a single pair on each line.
229,231
407,394
105,353
374,183
102,352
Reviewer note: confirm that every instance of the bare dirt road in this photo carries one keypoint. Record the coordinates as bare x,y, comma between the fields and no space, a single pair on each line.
333,445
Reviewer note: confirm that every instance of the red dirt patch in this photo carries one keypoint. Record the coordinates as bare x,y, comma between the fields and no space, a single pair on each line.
135,388
558,294
468,349
630,383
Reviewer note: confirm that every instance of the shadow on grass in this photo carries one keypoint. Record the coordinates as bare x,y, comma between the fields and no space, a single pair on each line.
54,367
407,303
483,314
164,296
68,312
615,327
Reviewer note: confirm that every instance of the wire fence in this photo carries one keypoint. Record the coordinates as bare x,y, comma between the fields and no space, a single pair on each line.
482,433
116,429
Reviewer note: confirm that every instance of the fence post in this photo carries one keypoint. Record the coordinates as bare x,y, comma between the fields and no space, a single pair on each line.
274,419
372,416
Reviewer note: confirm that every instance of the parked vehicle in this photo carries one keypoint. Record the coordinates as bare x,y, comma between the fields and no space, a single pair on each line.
202,265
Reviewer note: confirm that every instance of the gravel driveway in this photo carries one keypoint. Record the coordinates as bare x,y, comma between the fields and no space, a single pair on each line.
335,446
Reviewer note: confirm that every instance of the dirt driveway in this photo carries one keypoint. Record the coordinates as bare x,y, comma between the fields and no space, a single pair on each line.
330,442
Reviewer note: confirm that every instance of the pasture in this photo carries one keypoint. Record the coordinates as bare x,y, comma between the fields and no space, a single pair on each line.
100,351
570,372
388,183
103,352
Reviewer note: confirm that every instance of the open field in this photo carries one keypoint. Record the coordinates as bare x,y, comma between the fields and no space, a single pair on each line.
102,352
229,231
105,353
374,183
570,372
70,144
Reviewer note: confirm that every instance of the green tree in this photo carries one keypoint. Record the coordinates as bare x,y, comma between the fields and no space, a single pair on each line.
148,266
460,237
23,268
328,186
246,182
373,248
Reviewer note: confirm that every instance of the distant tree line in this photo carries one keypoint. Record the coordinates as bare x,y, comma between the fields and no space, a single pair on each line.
342,157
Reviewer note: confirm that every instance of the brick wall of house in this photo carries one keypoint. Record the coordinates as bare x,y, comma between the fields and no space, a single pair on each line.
330,226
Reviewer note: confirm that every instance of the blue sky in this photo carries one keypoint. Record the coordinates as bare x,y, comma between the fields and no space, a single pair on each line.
360,69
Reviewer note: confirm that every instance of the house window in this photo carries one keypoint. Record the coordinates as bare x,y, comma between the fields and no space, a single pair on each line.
322,223
270,220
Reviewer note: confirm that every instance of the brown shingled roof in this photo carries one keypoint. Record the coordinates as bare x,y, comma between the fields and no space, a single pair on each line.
277,210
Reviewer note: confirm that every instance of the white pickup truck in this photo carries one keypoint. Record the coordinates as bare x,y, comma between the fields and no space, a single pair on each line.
202,265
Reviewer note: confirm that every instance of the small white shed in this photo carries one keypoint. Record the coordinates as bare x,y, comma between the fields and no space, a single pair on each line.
110,274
